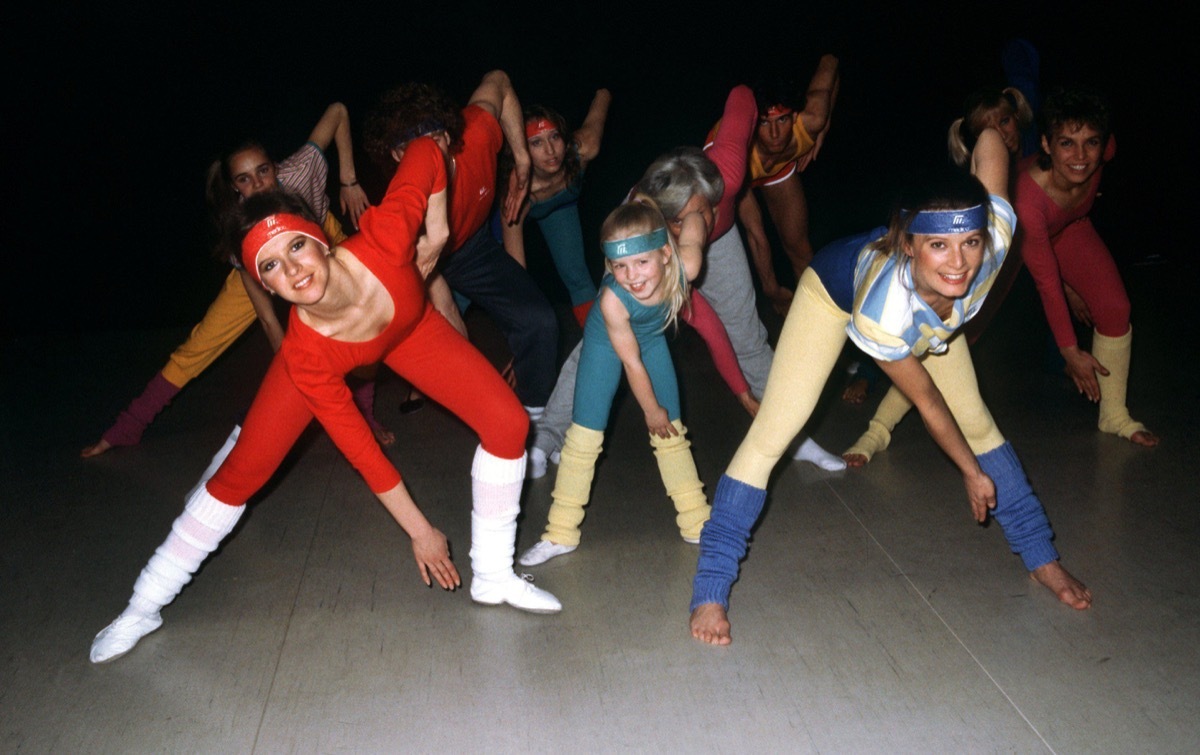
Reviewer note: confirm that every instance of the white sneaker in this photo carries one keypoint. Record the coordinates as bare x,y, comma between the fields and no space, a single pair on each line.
555,457
690,540
536,468
543,551
517,591
119,637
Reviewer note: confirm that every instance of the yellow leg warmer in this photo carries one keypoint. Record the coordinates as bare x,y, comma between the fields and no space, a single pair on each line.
879,430
1113,353
954,374
573,486
679,476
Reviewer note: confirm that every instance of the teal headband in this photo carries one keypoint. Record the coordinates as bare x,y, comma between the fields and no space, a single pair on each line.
646,242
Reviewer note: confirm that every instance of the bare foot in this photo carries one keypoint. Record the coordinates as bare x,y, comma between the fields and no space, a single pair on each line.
1144,438
711,624
854,460
856,392
100,447
384,436
1060,582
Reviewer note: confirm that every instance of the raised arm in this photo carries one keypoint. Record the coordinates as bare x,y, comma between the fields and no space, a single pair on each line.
989,162
692,237
624,342
435,233
496,95
334,127
911,378
818,107
587,138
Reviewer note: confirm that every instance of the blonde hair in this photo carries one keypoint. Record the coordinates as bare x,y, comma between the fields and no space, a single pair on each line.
960,140
641,215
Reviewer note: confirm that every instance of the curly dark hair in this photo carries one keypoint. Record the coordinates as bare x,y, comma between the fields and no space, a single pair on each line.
1073,106
404,113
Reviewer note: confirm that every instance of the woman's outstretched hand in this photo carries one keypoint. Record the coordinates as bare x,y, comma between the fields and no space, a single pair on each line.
1082,368
982,493
354,202
518,190
432,552
659,423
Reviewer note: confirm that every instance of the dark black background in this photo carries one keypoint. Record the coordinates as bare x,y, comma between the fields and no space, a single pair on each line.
113,115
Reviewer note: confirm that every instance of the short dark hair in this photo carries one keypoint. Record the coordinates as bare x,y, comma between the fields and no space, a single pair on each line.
1080,106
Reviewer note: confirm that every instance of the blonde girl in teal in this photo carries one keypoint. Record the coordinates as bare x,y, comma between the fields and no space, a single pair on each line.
639,298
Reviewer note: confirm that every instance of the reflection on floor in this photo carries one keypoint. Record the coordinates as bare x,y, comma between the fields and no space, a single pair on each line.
871,614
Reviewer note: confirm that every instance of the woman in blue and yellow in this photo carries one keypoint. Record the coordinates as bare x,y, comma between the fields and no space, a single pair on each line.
900,292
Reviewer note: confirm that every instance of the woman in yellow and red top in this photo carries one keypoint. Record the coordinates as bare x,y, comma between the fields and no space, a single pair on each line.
791,130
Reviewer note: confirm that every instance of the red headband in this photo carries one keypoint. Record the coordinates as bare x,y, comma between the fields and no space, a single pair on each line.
538,126
777,110
270,227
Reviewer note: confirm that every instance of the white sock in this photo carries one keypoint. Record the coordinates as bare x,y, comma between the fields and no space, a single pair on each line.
536,468
809,451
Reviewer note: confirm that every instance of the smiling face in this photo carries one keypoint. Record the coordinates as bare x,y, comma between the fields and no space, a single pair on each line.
642,274
1075,150
252,172
944,266
294,266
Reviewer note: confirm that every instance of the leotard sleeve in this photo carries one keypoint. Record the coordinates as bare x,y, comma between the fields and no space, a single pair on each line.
391,229
730,150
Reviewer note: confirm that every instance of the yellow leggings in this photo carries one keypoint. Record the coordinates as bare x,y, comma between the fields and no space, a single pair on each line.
809,345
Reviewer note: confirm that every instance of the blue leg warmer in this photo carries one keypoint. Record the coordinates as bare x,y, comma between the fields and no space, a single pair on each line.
1018,509
724,540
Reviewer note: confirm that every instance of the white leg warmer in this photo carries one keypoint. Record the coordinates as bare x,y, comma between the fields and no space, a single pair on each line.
496,492
197,532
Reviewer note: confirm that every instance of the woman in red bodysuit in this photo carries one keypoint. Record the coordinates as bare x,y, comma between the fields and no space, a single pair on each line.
362,302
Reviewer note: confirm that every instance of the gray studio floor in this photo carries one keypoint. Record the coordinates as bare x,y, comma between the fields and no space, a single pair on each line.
872,615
